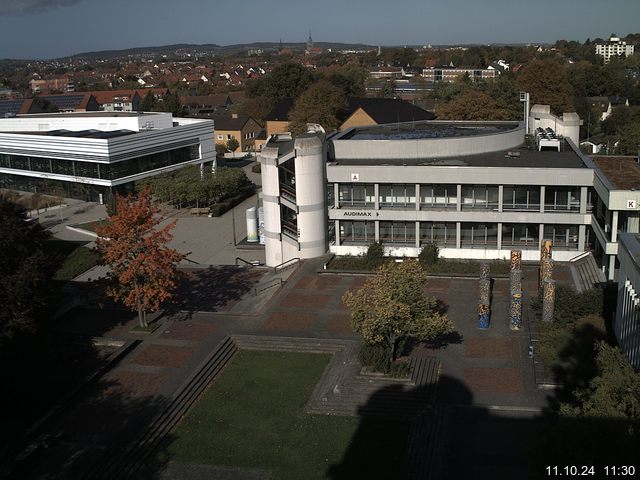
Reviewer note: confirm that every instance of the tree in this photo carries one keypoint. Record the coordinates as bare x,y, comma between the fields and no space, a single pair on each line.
321,103
149,103
474,105
393,305
429,254
25,271
286,80
143,269
232,144
171,103
548,84
221,149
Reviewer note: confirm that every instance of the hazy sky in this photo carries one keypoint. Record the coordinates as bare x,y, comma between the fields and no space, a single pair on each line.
55,28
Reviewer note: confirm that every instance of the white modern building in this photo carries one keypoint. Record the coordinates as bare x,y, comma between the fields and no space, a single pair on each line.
91,155
614,47
477,189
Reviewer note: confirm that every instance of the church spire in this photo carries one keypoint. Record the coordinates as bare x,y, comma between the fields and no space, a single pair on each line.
309,42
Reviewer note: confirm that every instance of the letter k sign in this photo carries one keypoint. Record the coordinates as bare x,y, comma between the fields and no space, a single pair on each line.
631,204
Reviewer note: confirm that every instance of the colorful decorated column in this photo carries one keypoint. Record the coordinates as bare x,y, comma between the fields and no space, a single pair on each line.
515,305
545,253
546,271
484,303
549,300
516,259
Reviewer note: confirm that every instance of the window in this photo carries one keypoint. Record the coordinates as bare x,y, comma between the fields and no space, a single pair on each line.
356,232
563,237
438,196
516,197
562,198
480,197
520,235
397,196
220,137
402,233
229,137
479,235
356,195
442,234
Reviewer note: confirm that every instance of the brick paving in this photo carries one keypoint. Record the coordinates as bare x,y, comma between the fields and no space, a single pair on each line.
163,356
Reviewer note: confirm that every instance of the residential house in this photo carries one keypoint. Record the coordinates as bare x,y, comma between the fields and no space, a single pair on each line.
241,127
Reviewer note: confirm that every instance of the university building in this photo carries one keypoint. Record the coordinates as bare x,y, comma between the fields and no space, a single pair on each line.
477,189
91,155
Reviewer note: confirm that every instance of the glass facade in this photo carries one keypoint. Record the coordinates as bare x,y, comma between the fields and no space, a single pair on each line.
524,235
517,197
562,199
479,234
480,197
353,232
438,196
397,195
104,171
403,233
563,237
357,195
442,234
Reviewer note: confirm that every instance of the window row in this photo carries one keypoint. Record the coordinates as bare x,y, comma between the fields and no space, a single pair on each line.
445,196
105,171
445,234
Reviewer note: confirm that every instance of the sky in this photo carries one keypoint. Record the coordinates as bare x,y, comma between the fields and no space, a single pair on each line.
43,29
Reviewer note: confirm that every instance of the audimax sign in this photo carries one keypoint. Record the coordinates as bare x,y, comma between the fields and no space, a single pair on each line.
360,214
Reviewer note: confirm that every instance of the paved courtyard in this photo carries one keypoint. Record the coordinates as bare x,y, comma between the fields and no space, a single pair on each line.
486,376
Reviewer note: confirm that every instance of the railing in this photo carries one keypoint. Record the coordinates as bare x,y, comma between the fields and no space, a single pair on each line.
251,263
284,265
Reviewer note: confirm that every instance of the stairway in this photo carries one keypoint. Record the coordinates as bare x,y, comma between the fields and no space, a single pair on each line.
585,272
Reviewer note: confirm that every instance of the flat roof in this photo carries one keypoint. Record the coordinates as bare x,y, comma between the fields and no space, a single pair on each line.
622,172
426,130
91,114
528,158
83,133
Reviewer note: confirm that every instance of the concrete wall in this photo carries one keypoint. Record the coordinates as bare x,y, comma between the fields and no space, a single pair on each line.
310,196
428,147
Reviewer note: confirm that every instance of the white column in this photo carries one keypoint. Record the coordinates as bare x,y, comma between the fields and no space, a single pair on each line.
614,226
542,192
612,266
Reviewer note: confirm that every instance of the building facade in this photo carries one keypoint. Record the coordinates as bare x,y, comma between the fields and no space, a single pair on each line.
613,48
626,325
451,74
92,155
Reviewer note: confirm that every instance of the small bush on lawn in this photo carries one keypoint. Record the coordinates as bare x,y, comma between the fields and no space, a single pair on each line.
571,305
376,357
429,254
256,168
375,255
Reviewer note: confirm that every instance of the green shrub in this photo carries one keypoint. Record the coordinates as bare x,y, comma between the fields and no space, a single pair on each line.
429,254
256,168
226,205
376,357
571,305
375,255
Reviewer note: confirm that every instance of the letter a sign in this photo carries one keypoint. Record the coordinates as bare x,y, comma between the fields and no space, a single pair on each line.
355,177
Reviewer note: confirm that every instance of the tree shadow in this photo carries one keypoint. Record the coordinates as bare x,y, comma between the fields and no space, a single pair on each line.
213,289
59,422
576,360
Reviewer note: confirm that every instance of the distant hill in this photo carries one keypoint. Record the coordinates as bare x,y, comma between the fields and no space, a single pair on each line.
209,48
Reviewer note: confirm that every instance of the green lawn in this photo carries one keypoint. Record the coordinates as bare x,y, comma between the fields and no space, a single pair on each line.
91,226
252,416
75,258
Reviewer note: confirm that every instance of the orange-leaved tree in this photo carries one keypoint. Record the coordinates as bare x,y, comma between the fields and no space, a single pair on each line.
143,270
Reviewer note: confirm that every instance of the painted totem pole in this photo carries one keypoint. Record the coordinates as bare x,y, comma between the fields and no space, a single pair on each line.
515,278
484,309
